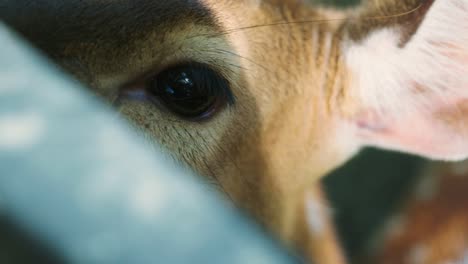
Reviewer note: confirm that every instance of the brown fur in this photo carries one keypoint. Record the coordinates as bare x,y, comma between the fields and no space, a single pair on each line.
434,221
268,150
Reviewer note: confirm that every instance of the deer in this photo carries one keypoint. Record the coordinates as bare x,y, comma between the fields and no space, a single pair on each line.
265,97
431,223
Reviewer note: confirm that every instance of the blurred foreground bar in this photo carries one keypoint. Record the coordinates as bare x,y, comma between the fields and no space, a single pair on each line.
74,175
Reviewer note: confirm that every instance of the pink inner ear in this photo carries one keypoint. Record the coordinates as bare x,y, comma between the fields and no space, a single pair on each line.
442,134
415,98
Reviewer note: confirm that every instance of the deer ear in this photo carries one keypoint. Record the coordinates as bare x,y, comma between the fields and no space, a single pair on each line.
413,96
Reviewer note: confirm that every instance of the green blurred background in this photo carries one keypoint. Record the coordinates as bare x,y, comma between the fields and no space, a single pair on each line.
366,191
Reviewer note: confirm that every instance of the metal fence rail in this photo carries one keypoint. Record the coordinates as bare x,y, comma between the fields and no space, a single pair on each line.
73,174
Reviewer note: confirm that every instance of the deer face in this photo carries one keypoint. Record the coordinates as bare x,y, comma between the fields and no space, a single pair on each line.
232,88
265,97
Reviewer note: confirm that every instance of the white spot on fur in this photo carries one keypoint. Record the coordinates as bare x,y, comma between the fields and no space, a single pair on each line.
417,255
315,216
20,131
427,187
395,226
460,169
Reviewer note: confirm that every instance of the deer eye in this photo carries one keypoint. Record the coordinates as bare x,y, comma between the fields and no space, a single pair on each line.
192,91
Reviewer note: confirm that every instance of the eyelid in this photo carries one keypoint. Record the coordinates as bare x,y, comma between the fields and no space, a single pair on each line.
140,90
143,79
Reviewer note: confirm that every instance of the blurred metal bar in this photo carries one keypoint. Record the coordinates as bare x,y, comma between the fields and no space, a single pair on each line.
73,174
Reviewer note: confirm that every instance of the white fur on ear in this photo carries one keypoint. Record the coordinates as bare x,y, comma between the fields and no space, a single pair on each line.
408,93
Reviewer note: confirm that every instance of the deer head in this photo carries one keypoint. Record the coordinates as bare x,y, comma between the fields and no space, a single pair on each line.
266,97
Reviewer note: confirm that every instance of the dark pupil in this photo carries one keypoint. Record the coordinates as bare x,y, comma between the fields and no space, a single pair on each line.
184,91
